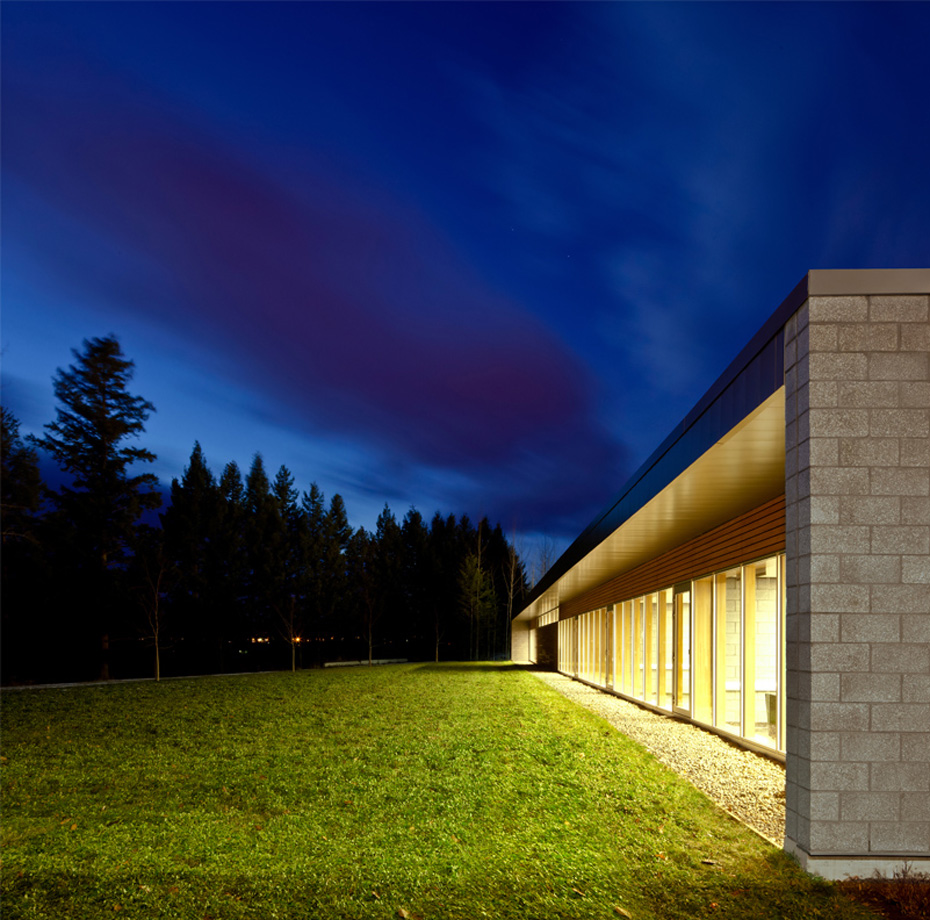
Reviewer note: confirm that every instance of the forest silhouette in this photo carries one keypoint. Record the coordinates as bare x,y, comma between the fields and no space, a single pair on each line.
105,577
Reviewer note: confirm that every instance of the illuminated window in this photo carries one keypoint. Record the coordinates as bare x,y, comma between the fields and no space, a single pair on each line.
712,649
637,637
683,651
610,655
761,609
729,618
626,618
702,650
650,649
666,649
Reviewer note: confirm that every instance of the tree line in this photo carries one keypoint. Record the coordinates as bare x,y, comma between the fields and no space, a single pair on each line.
102,578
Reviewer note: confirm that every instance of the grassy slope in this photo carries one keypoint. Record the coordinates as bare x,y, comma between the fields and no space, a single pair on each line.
439,791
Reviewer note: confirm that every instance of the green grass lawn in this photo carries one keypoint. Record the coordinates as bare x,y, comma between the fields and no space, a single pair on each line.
458,791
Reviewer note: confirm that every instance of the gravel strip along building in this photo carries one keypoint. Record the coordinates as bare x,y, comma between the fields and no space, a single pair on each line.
750,786
766,573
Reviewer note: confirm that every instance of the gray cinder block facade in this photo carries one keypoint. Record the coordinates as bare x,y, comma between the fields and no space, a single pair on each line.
857,492
766,573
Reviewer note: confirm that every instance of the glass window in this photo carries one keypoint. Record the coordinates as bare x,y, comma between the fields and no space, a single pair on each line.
729,650
651,648
626,676
783,682
666,648
683,650
586,623
761,666
715,652
610,655
702,650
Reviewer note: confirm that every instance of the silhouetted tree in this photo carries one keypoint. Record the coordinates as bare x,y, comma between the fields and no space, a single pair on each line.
20,483
96,416
363,585
442,578
514,590
389,569
287,564
263,539
416,581
336,533
477,601
506,575
153,576
313,540
24,578
191,525
230,588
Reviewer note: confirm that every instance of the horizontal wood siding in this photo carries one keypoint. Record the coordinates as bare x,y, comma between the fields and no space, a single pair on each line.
758,533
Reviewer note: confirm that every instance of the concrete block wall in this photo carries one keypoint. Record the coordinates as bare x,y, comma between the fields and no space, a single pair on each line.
857,480
520,641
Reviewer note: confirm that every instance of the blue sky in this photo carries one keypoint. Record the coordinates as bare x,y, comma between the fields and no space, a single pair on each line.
468,257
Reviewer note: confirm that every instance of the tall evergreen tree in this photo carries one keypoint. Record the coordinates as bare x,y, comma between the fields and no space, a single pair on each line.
263,539
313,541
363,585
416,580
389,573
442,580
501,567
230,587
96,416
20,483
288,564
191,527
23,579
336,532
478,603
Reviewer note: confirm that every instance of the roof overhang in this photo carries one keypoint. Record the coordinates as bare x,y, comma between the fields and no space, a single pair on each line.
725,457
745,468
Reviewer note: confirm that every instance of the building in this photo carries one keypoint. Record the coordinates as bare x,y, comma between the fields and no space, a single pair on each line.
766,572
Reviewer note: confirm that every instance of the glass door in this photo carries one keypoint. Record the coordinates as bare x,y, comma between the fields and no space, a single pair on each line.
683,651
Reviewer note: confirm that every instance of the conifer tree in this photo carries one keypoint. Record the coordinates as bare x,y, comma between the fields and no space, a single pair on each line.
313,539
230,586
336,532
416,581
443,578
363,585
25,615
477,601
20,483
263,538
287,563
389,573
190,525
96,416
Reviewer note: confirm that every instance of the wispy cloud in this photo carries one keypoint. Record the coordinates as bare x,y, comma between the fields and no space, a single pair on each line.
350,312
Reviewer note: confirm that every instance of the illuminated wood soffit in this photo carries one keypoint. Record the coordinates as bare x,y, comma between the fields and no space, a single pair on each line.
745,468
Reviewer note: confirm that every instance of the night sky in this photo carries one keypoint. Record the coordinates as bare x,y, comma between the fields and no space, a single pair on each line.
472,257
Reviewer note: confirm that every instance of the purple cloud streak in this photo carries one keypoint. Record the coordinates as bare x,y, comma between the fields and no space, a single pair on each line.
347,310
